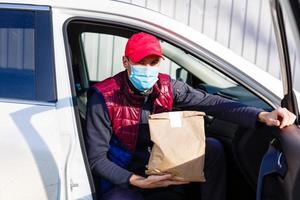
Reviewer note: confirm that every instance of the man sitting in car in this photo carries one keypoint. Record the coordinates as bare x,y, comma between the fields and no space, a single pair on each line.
118,140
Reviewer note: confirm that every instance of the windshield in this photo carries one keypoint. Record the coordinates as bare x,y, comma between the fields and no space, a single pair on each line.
204,71
292,33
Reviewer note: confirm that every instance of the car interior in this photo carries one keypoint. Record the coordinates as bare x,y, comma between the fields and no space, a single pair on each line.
244,147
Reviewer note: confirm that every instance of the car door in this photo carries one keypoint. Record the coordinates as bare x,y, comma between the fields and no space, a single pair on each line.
279,172
85,59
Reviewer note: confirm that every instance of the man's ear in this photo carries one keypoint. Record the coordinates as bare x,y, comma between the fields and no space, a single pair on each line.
126,63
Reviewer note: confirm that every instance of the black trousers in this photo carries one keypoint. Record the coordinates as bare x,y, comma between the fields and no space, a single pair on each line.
213,189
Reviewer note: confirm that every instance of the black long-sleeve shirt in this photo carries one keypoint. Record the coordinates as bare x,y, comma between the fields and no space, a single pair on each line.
99,130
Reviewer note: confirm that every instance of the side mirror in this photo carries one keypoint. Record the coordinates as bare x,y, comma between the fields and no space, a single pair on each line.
178,73
181,74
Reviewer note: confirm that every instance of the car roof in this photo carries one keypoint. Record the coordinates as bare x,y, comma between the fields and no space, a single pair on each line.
56,3
90,5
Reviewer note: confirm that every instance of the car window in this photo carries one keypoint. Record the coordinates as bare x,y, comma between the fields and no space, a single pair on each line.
26,55
187,64
103,54
294,50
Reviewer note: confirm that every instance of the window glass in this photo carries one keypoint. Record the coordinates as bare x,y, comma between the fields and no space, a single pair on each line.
26,55
103,54
17,65
294,51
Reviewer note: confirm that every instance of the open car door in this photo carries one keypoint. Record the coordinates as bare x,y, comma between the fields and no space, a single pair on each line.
279,174
269,157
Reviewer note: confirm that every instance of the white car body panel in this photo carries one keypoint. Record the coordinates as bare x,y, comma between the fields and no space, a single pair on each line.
73,164
48,157
28,151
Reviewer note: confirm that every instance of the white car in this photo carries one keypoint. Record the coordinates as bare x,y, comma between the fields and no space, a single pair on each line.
47,64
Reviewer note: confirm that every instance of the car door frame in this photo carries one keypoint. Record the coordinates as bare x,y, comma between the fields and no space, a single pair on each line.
289,101
285,153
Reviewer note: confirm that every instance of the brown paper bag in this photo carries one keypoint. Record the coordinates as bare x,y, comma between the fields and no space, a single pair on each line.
179,145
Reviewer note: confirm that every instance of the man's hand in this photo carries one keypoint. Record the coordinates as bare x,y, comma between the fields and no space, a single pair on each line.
155,181
280,117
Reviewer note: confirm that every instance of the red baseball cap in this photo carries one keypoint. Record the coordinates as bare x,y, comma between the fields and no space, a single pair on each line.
140,45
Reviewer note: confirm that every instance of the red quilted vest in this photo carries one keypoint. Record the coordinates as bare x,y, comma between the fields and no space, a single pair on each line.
124,106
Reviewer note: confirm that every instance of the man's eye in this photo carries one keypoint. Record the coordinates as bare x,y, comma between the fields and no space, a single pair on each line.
154,63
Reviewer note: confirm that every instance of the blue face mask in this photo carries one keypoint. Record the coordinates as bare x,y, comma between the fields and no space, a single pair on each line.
143,78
